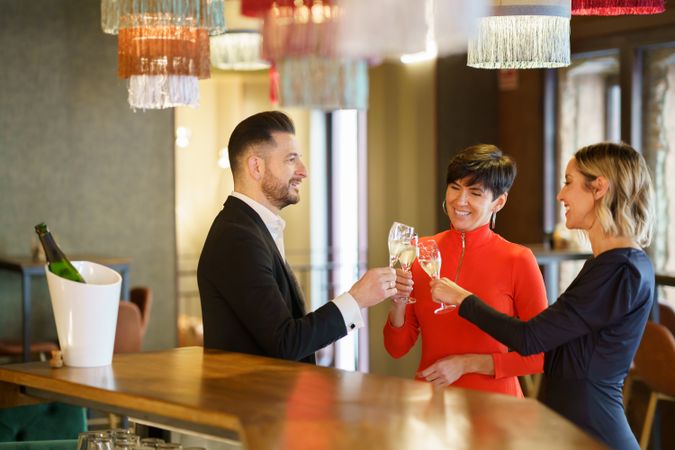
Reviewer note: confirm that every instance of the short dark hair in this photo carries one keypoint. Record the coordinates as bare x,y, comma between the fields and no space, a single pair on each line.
484,164
253,130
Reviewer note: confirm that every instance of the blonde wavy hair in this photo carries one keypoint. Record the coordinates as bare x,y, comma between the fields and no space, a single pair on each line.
628,207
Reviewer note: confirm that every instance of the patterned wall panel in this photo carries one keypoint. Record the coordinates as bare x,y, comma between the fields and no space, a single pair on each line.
73,154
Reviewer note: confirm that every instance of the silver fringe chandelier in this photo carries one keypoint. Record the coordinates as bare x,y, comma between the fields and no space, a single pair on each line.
522,34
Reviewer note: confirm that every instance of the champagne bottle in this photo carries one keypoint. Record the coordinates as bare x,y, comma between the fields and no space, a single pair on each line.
58,263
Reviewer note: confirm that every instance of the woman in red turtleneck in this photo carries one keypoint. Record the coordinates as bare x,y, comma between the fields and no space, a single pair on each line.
505,275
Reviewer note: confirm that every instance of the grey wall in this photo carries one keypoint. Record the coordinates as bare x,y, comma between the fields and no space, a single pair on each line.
73,154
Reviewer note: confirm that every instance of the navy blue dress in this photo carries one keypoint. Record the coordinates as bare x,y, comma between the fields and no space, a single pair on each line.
589,336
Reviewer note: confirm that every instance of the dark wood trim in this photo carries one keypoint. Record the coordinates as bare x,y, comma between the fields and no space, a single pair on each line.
665,279
549,146
597,29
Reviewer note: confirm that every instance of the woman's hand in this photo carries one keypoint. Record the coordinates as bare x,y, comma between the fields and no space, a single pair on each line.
445,291
447,370
404,285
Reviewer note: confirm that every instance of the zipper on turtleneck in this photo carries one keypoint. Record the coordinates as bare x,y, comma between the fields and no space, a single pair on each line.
461,256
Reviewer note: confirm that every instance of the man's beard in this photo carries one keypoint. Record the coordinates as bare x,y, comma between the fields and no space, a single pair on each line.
277,192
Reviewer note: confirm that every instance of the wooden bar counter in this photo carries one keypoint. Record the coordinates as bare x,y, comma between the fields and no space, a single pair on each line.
274,404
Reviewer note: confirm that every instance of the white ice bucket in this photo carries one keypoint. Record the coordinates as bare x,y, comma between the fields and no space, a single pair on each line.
86,314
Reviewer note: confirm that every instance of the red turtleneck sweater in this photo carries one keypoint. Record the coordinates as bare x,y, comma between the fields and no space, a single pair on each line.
502,274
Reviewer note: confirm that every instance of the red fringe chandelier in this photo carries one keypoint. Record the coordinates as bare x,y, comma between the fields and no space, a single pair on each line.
616,7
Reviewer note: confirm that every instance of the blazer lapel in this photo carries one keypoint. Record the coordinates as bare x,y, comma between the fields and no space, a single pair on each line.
297,300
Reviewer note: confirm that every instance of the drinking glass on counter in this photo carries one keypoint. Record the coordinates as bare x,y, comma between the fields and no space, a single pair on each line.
169,446
104,442
85,437
152,442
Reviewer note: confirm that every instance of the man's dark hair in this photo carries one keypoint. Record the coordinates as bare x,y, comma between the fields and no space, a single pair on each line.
253,130
484,164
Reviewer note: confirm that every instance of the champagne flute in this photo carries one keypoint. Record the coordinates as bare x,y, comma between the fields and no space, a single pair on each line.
406,257
430,259
397,234
402,250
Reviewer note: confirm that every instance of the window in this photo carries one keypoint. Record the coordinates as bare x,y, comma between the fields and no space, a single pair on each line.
659,150
338,222
589,112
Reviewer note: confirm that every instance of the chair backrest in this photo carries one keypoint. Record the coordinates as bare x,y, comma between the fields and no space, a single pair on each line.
42,422
667,317
655,359
129,334
142,297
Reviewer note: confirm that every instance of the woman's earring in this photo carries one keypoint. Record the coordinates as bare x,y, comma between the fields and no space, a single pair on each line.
493,220
444,208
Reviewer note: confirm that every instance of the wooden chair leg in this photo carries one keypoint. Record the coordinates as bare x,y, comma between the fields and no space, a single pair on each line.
649,421
531,384
536,378
114,420
528,385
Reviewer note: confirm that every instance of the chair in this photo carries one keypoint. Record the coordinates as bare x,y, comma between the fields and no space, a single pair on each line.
129,332
42,421
142,297
132,320
667,317
654,363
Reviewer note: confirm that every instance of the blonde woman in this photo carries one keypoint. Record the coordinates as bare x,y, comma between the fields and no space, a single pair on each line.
591,333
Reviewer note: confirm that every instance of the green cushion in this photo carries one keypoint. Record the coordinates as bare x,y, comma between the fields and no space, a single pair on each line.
42,422
65,444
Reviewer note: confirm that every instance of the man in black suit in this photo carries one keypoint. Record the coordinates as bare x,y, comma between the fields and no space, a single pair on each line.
251,302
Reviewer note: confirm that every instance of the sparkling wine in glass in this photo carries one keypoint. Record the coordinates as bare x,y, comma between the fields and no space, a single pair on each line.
398,233
430,259
406,257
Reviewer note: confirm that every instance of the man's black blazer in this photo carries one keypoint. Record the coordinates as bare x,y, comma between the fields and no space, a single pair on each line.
251,302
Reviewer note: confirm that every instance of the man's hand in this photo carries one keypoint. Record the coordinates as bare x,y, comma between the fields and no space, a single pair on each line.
374,286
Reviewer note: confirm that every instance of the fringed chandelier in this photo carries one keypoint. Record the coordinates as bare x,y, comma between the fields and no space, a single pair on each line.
388,29
302,29
299,39
616,7
163,47
240,47
523,34
323,83
382,29
238,50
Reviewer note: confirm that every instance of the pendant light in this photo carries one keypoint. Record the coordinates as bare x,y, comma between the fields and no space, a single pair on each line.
522,34
616,7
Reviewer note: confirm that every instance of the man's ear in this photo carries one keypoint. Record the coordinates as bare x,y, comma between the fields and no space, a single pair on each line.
255,166
600,187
